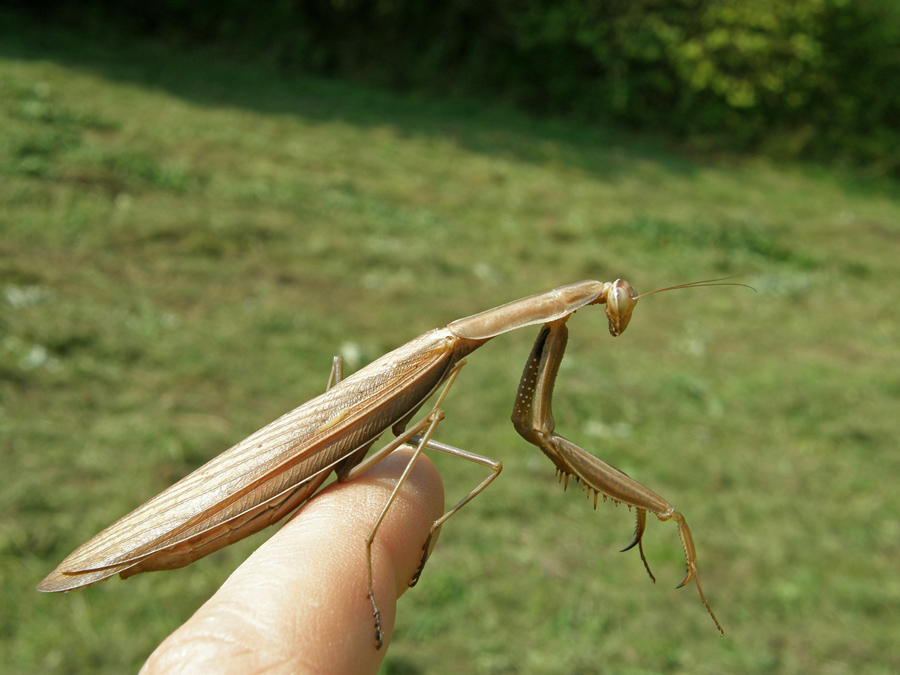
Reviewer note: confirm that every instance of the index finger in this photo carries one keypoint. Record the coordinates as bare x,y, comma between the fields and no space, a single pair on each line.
299,603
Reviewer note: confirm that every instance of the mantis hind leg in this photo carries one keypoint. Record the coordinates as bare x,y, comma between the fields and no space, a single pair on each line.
337,372
494,465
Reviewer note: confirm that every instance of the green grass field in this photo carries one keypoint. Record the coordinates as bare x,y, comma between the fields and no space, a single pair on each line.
185,243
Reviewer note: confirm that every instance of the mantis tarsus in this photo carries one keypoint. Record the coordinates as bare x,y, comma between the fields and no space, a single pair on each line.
269,474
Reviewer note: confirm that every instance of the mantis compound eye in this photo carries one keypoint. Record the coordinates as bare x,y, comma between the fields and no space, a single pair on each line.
620,300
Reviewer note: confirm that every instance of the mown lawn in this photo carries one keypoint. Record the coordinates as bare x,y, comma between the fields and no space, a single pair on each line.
185,243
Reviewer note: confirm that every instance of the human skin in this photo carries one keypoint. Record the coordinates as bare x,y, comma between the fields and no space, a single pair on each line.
299,604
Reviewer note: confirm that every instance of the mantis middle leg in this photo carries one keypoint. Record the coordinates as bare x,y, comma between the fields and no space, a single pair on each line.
419,437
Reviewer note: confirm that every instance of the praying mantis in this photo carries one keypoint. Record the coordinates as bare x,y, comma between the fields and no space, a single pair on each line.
278,468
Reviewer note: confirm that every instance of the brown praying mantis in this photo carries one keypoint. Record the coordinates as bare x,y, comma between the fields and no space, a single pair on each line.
269,474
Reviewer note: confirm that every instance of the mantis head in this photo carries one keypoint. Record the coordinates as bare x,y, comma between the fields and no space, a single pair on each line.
621,299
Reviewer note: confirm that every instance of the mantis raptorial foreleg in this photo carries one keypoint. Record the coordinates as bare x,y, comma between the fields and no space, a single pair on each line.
533,419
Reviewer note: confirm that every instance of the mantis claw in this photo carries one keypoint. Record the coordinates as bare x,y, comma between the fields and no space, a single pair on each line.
638,540
425,547
376,616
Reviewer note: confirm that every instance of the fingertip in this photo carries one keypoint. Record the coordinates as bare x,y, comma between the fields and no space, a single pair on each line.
404,532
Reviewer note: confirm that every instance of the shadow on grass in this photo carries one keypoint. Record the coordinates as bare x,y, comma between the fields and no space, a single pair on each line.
207,78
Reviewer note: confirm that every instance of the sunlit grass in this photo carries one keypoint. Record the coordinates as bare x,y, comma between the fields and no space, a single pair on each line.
185,243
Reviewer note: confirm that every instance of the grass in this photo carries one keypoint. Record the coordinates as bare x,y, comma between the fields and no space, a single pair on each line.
185,242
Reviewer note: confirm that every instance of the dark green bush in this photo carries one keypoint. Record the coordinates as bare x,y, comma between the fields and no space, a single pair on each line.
799,78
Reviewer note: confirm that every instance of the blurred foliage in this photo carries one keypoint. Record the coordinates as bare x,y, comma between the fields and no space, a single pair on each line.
809,78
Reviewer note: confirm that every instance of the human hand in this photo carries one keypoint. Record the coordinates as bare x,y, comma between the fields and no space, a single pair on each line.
299,603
